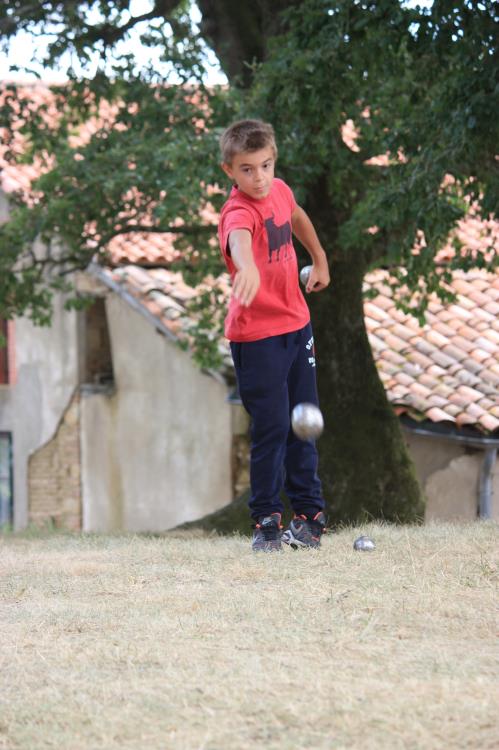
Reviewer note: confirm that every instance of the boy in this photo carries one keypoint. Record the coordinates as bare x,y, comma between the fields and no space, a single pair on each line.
268,326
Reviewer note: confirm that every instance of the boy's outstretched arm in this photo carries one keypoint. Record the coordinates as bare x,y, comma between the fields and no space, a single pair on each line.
304,230
247,279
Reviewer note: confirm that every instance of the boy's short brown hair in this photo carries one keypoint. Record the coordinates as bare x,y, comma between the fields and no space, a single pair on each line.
246,136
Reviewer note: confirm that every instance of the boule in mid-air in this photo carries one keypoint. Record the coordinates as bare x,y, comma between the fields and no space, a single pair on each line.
307,421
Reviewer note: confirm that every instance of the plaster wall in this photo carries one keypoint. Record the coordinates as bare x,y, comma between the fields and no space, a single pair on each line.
449,475
157,452
46,377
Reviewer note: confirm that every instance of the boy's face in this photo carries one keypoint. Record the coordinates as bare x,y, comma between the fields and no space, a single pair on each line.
253,171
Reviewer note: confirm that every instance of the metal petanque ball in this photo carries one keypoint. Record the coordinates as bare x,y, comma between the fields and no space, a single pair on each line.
307,421
364,544
304,274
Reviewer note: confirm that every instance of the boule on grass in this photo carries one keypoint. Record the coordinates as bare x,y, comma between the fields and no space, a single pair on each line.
364,544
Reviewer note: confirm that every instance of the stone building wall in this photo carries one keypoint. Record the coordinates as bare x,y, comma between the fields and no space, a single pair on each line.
54,475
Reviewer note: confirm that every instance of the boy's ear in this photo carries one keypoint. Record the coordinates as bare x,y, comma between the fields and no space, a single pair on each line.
228,170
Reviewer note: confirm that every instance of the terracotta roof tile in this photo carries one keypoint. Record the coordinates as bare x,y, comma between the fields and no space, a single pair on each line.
464,419
486,403
422,345
485,344
462,343
479,298
420,390
403,332
384,303
394,342
442,328
454,352
404,378
442,359
492,335
374,312
459,312
445,317
421,360
377,344
466,377
470,394
390,369
484,315
492,308
389,355
400,393
436,371
435,400
453,409
438,415
490,423
428,380
480,355
434,337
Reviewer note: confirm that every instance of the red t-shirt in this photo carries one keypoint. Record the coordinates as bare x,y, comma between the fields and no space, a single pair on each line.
279,305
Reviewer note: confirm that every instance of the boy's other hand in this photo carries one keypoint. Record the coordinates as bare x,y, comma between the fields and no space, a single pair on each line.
319,277
246,284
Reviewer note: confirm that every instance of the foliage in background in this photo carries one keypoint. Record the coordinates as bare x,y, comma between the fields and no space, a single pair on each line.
149,164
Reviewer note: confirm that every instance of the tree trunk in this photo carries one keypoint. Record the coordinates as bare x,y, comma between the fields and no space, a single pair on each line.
364,463
239,32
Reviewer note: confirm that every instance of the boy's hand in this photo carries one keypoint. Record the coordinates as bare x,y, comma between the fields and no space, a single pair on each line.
319,277
246,284
304,229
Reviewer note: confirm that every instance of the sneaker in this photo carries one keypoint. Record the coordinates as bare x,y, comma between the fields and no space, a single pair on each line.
267,534
304,531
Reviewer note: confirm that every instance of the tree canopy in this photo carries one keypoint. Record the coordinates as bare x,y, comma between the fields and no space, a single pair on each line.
420,86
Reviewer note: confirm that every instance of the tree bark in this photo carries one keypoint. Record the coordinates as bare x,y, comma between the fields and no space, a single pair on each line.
365,467
239,32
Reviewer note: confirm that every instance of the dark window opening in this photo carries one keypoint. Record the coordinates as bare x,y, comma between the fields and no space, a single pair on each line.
6,480
97,359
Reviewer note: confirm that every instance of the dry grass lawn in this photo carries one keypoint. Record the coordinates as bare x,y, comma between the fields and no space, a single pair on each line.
192,642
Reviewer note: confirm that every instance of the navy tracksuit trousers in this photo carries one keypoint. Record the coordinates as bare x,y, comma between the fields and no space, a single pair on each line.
274,374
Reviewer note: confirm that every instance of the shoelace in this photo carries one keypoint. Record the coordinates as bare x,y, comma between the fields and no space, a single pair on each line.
316,527
270,531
